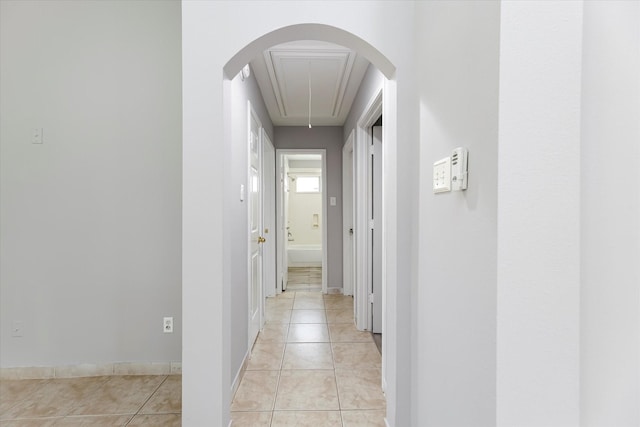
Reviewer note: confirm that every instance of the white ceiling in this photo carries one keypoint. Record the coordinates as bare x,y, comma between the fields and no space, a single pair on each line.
283,73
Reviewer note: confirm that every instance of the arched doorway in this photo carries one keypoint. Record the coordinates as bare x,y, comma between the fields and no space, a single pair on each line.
234,102
205,279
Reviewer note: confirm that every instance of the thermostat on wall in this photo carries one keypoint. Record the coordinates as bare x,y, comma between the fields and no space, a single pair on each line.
442,175
459,169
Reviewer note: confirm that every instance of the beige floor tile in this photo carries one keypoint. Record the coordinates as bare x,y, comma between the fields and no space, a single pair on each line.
33,422
286,294
167,399
356,355
305,287
314,295
308,304
347,332
308,332
308,316
342,315
308,356
274,332
266,356
256,392
94,421
157,420
56,397
363,418
118,395
360,389
338,303
336,296
307,390
279,303
306,419
278,316
251,419
13,392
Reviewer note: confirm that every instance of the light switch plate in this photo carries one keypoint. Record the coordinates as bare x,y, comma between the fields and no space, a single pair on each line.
36,136
442,175
332,201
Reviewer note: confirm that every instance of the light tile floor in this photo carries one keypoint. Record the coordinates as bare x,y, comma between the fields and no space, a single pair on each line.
304,279
141,400
310,366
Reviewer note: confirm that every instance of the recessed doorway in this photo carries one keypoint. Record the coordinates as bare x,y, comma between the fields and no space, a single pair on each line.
302,225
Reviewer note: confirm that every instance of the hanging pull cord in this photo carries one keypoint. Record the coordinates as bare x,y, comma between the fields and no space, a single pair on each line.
309,78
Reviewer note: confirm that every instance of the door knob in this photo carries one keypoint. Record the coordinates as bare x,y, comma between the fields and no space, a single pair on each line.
261,239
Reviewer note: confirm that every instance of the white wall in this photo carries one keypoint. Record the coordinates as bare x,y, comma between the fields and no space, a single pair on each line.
610,221
206,295
330,139
538,312
91,219
457,47
302,208
236,239
372,82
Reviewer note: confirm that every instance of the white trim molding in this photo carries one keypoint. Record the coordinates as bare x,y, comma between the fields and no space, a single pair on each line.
91,370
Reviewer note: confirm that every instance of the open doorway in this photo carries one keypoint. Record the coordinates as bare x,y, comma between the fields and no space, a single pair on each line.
206,219
301,214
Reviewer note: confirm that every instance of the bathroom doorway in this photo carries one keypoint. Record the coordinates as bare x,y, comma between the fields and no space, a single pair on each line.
301,214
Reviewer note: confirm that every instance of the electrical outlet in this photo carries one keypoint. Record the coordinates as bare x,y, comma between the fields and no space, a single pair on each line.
167,325
17,328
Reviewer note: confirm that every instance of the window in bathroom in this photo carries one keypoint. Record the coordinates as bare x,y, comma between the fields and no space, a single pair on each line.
308,184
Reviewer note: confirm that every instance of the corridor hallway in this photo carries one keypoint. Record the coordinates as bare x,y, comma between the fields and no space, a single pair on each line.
310,366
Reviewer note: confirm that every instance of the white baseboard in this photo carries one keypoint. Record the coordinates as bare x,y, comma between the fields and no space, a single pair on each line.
334,290
91,370
239,375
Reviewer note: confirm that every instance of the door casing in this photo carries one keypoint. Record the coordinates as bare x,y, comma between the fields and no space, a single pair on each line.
281,224
269,215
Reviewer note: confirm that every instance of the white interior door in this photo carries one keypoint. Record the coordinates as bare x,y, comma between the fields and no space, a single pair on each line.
269,211
255,227
376,229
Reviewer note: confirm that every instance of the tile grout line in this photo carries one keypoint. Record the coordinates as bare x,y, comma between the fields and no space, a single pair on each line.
147,400
286,345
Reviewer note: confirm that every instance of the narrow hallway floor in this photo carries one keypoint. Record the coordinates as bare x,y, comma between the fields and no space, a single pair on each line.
310,366
304,279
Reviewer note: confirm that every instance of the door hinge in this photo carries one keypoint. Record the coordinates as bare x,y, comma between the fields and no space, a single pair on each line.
371,224
371,298
372,150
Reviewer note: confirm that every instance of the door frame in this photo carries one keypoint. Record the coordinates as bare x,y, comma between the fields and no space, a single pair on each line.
268,220
374,233
348,217
282,238
370,115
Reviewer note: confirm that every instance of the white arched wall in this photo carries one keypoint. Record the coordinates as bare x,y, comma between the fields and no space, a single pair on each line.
218,39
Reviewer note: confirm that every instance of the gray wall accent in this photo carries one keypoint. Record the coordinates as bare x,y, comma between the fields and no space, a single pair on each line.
457,55
305,164
329,138
91,218
236,238
372,82
610,222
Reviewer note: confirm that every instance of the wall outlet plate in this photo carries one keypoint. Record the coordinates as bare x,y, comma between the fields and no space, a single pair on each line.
167,325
